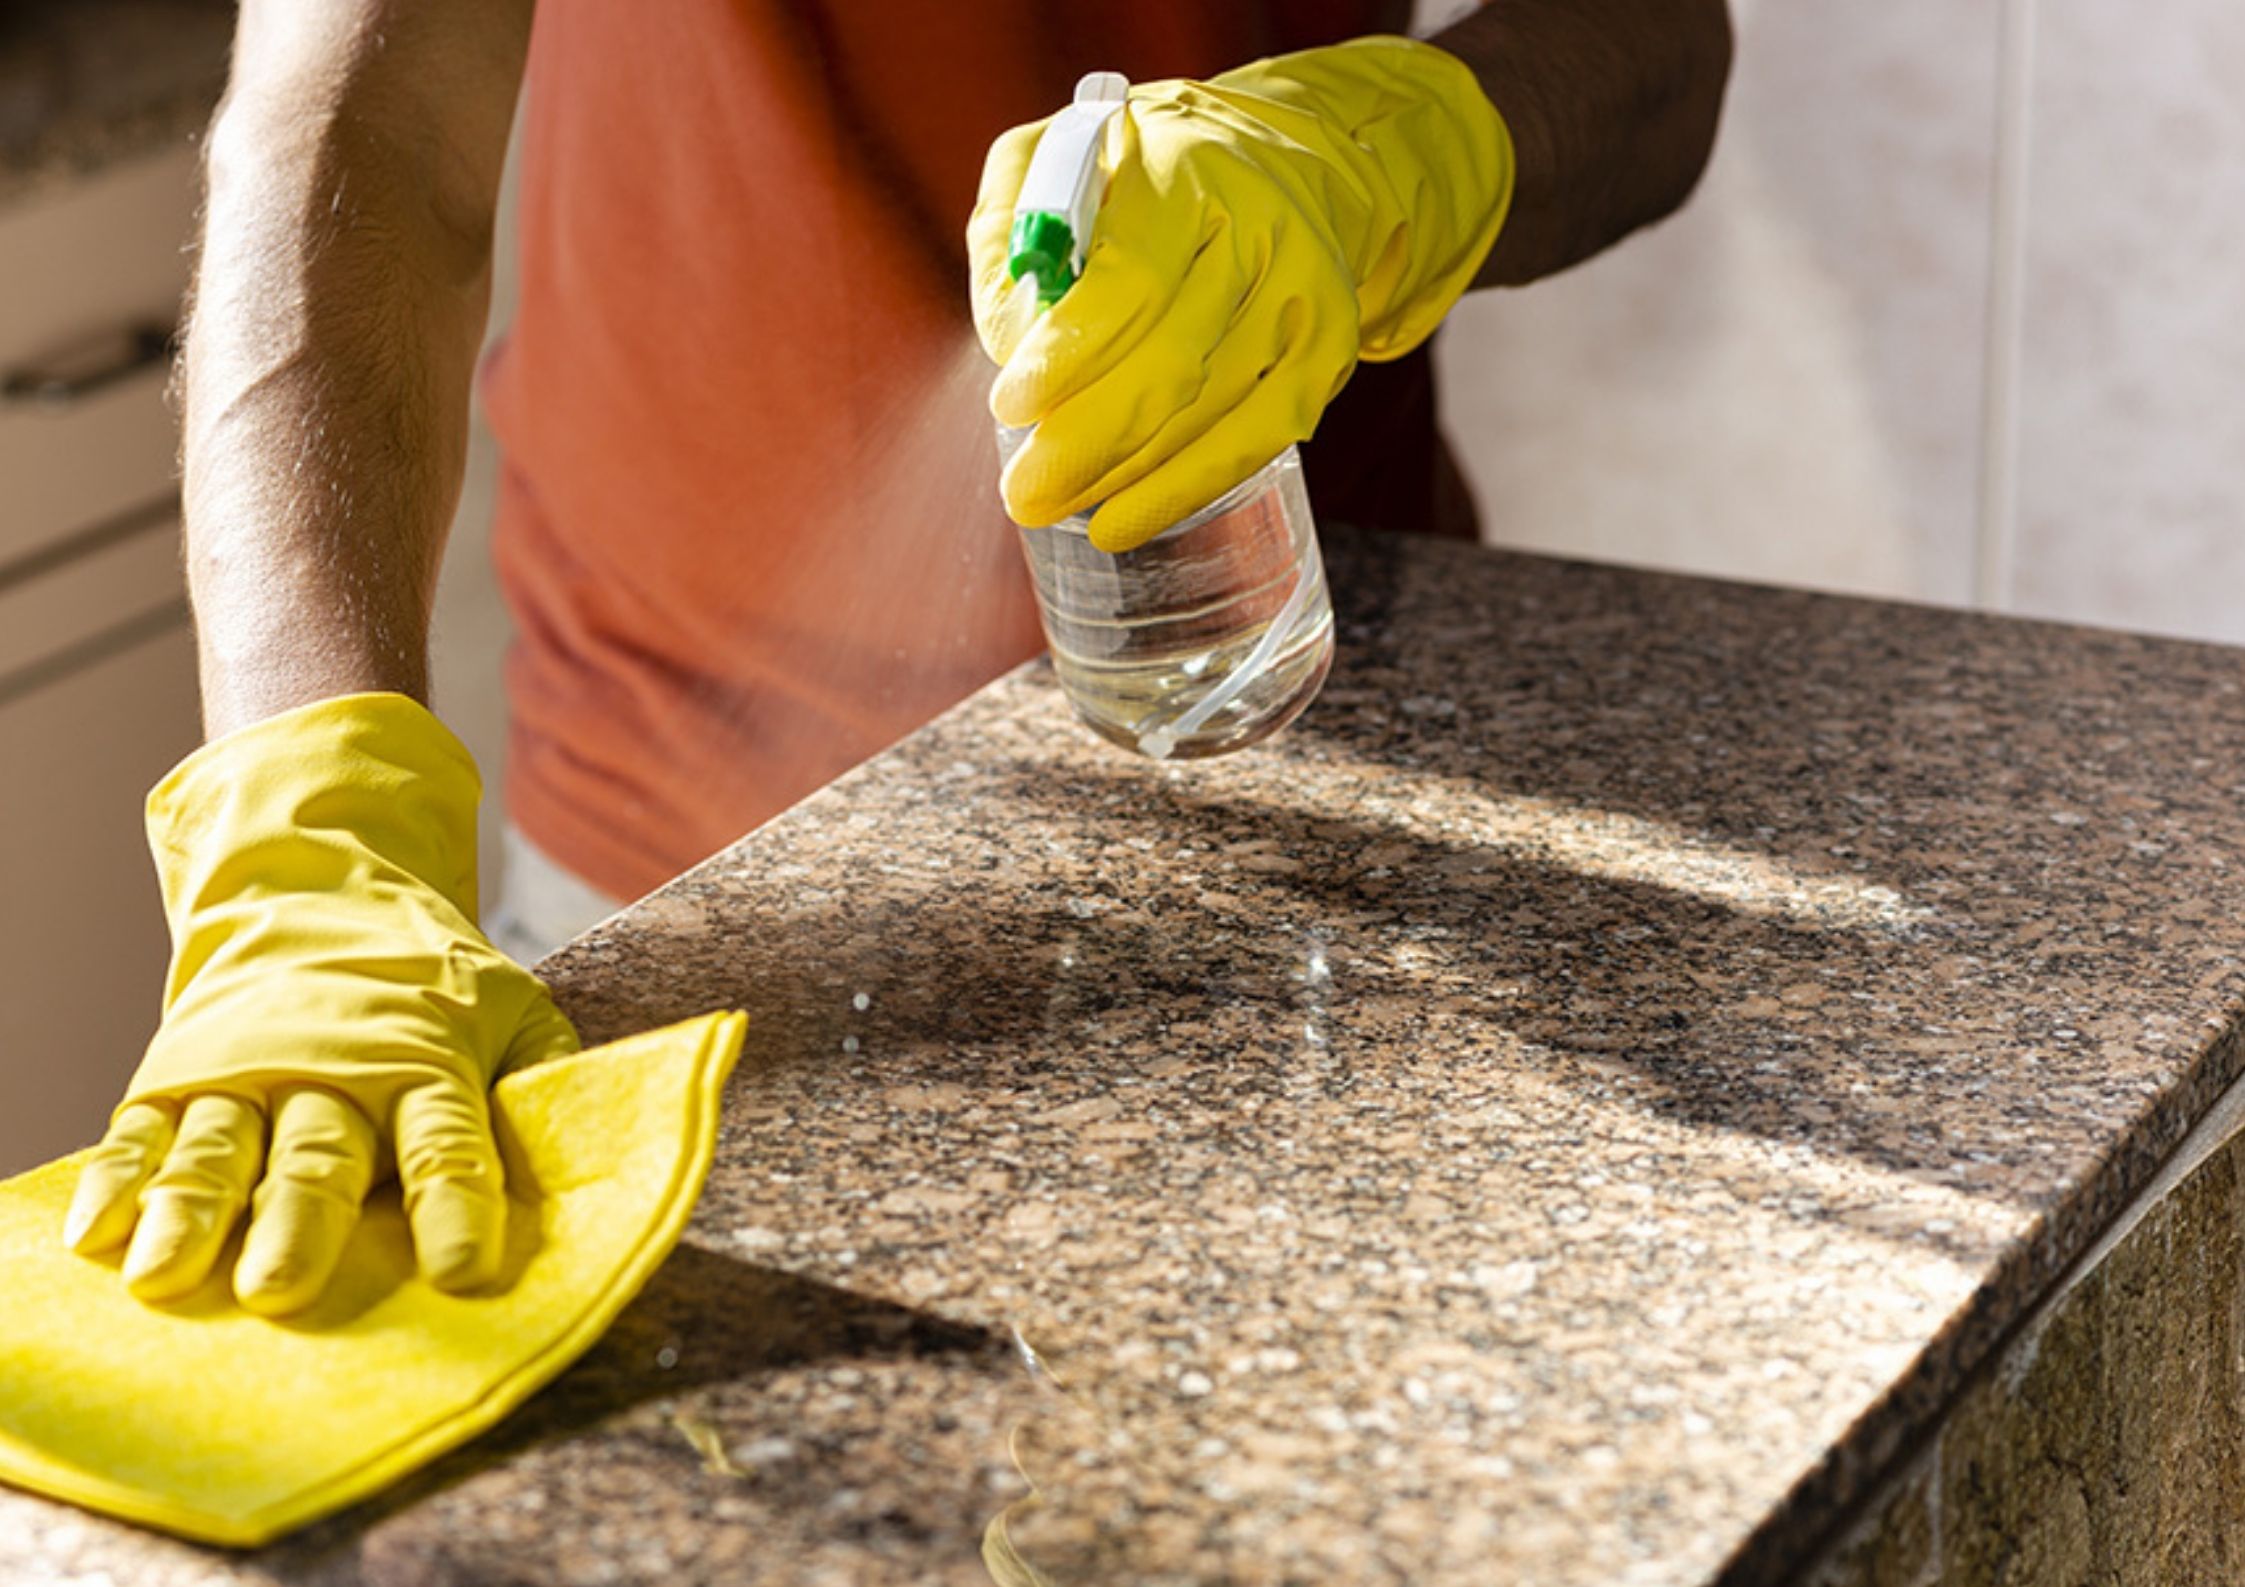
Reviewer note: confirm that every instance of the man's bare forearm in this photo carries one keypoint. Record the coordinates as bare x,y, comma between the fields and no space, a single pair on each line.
353,177
1612,107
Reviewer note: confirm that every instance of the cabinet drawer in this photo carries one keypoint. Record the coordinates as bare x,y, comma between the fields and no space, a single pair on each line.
84,270
82,944
82,466
122,579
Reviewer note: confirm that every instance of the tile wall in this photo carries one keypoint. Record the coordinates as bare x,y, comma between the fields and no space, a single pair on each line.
2131,442
1957,314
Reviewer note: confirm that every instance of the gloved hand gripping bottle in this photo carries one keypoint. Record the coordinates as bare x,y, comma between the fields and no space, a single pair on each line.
1218,631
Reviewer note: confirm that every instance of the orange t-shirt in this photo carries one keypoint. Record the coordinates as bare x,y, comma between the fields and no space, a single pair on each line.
749,525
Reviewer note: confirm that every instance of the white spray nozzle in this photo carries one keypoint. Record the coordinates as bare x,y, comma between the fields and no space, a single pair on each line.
1060,195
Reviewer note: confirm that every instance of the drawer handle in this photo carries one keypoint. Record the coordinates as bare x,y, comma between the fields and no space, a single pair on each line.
78,372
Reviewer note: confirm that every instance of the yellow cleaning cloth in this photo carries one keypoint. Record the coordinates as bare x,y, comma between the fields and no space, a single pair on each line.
204,1420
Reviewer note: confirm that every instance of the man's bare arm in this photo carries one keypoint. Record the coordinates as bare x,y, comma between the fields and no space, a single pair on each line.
353,178
1612,107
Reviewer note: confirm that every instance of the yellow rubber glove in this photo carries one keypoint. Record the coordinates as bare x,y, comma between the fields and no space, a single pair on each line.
332,1013
1261,232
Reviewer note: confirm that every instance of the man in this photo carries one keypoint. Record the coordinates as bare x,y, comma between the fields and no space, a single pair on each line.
745,526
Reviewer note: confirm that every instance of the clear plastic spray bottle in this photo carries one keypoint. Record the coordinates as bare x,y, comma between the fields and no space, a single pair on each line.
1218,631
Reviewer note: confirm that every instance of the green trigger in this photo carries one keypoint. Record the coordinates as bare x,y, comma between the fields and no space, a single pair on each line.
1043,246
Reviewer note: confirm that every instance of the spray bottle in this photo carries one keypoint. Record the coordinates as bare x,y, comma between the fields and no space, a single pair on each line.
1218,631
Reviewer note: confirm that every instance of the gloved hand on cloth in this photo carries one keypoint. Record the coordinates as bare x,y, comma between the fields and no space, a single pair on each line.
1261,232
332,1014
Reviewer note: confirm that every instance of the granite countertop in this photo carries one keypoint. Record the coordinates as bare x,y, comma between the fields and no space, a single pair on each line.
84,83
1573,1110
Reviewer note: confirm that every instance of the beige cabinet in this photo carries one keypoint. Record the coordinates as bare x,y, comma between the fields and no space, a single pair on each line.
97,668
82,945
85,275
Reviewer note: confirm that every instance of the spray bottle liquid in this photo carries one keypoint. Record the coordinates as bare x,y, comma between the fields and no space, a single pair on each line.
1218,631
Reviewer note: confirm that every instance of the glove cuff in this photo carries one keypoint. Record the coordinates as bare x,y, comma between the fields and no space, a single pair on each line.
362,787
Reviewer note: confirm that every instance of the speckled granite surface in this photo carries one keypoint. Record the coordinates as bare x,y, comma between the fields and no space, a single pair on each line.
1570,1111
2105,1442
84,83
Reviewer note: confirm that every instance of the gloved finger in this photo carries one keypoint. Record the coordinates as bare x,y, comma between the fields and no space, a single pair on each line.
1073,457
189,1207
317,1172
455,1196
990,238
107,1200
1007,322
1281,409
1145,244
1221,341
545,1032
